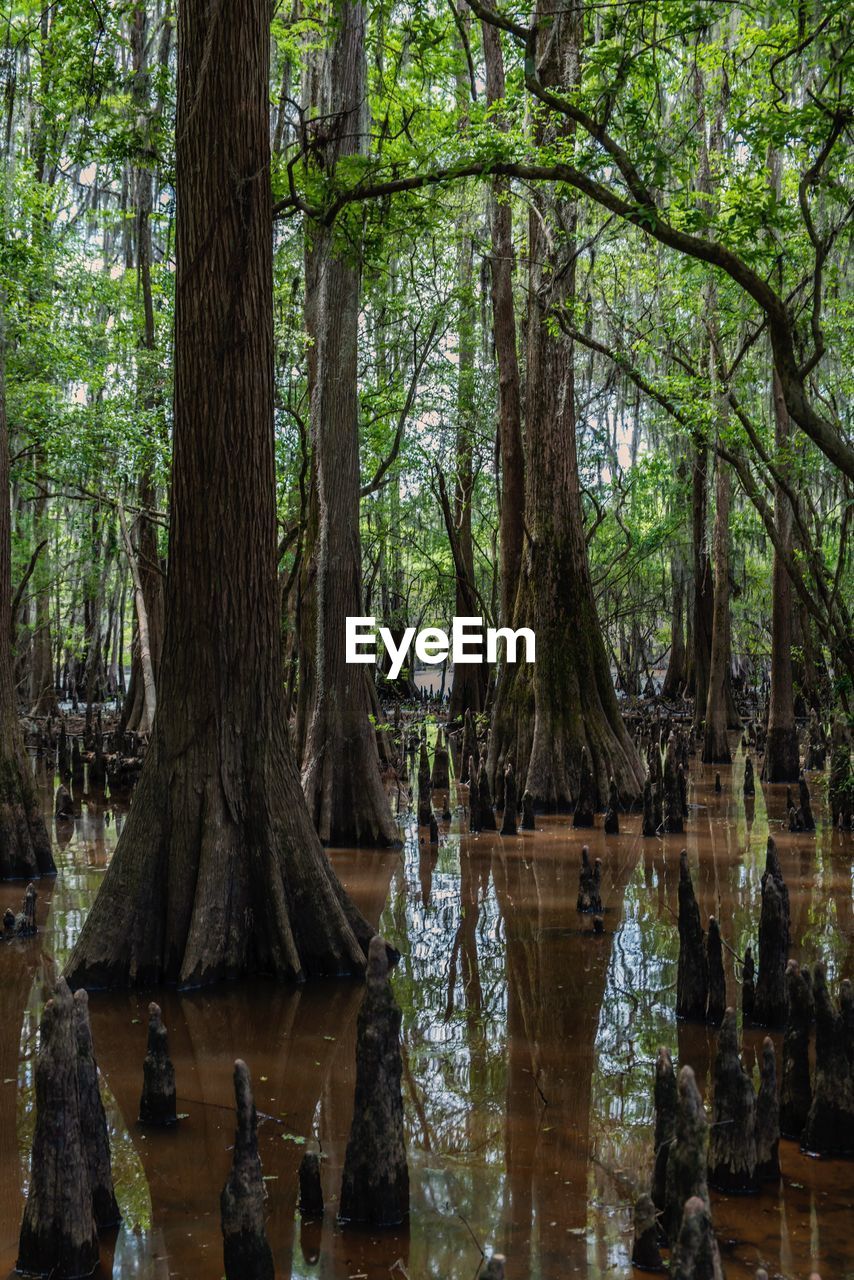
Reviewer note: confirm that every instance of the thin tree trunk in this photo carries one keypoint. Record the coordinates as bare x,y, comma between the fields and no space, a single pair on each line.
782,760
145,657
341,772
715,741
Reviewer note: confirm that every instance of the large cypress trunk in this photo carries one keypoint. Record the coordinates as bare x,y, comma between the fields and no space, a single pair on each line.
24,842
218,871
546,713
341,775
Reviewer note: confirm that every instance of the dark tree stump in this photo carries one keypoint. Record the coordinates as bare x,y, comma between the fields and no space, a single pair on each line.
612,819
441,776
423,766
666,1106
648,827
795,1084
93,1121
829,1129
770,1004
717,978
658,806
749,783
242,1204
434,829
157,1104
768,1117
487,816
585,805
732,1145
696,1255
310,1189
718,787
528,822
692,977
683,790
646,1255
748,987
673,816
494,1269
508,822
846,1009
474,799
375,1184
806,805
58,1233
687,1164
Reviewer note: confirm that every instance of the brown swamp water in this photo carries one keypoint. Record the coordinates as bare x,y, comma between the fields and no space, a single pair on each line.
528,1048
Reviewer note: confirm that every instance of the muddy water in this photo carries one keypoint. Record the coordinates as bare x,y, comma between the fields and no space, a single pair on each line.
528,1048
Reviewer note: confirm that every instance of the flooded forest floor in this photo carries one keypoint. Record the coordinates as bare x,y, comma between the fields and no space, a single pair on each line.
529,1046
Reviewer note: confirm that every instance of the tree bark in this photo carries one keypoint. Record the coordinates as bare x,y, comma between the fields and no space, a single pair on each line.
24,842
502,263
218,871
341,774
716,741
547,712
782,759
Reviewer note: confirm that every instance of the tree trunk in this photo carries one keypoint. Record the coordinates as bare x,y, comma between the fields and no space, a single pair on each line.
341,774
24,842
716,741
782,760
138,715
512,504
468,687
703,609
677,667
546,713
218,871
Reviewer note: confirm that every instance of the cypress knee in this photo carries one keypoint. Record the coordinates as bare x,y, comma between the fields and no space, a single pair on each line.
717,978
749,787
768,1117
646,1255
666,1106
157,1104
795,1084
806,805
494,1269
612,820
375,1184
58,1233
687,1164
673,816
696,1255
474,798
732,1145
310,1189
528,823
829,1129
246,1250
508,823
487,816
648,827
692,978
748,987
469,751
93,1121
585,805
770,1002
441,776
